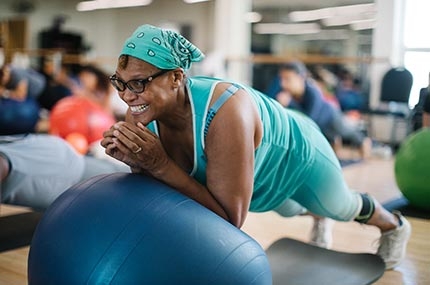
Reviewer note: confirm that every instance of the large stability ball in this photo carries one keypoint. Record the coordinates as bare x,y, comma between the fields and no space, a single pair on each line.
75,114
18,117
131,229
412,168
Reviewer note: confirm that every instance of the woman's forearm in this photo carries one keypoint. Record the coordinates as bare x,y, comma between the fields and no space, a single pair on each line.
178,179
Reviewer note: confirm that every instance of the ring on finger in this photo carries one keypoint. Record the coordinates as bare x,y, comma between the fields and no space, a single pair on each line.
137,150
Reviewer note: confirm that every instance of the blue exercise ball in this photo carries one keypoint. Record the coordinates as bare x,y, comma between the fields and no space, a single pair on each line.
18,117
131,229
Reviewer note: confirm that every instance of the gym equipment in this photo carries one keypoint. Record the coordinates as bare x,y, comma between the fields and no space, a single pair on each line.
131,229
18,117
412,168
296,262
389,122
17,230
403,205
76,114
78,141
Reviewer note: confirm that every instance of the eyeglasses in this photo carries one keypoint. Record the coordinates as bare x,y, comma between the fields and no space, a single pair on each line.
134,85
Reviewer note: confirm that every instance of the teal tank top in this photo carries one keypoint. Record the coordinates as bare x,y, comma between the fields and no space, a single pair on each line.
283,156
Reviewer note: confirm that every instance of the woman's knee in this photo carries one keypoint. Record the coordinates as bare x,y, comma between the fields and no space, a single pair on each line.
290,208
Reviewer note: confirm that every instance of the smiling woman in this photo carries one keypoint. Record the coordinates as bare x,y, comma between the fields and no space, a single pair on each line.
228,146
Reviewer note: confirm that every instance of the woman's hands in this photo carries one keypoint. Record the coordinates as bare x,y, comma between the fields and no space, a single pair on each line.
136,146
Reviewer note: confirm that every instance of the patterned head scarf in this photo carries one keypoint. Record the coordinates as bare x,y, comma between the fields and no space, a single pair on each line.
162,48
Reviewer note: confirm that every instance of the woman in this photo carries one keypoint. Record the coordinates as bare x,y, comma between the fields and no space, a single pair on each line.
229,147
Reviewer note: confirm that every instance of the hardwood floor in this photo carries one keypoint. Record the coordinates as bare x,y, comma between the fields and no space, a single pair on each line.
375,176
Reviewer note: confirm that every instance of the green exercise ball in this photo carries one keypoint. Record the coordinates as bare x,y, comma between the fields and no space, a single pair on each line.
412,168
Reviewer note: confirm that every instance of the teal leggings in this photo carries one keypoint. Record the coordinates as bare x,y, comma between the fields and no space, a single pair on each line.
324,192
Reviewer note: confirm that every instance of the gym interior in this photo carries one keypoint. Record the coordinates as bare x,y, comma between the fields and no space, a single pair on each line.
369,58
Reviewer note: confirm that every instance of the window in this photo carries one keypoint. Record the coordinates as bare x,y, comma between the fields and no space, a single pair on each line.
417,45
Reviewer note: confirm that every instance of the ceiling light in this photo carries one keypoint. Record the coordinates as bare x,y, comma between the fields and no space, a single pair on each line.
338,21
286,29
365,10
363,25
340,34
194,1
108,4
252,17
311,15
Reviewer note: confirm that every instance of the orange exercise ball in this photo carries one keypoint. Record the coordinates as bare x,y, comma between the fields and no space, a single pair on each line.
77,114
79,142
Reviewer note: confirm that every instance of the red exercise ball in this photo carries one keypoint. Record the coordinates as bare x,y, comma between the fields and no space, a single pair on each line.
77,114
78,142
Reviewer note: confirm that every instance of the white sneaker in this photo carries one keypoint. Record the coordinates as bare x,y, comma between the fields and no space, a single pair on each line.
392,244
321,234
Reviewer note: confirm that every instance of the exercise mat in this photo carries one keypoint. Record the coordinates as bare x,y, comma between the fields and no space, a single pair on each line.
295,262
402,205
17,230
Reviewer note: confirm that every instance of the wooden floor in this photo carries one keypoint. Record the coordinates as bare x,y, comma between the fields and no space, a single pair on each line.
375,176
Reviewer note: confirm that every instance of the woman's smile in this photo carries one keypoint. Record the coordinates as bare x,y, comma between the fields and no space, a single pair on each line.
139,108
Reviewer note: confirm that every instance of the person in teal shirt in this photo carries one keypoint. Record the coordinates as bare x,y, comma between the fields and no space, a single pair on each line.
228,146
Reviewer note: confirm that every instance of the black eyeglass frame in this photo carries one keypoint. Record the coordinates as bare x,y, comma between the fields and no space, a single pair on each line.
115,80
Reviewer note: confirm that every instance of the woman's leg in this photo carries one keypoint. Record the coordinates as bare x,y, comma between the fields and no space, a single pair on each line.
321,232
326,194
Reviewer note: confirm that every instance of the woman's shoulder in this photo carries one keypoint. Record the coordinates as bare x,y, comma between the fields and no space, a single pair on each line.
200,79
208,84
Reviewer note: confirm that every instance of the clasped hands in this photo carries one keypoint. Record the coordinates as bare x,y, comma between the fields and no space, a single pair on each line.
136,146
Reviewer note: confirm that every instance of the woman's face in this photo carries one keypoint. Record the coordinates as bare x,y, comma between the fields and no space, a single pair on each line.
157,99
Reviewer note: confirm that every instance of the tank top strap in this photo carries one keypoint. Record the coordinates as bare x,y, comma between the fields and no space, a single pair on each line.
218,104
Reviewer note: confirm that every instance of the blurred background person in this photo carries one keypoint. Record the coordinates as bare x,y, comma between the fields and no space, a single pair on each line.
348,92
82,117
426,112
306,97
421,111
60,81
19,91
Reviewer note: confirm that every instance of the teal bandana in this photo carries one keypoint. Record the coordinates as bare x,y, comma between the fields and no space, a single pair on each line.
162,48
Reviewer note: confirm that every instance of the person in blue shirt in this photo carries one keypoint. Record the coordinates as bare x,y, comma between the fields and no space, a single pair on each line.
347,92
306,97
228,146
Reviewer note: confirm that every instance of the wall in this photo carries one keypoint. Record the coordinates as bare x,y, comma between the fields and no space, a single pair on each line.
105,30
